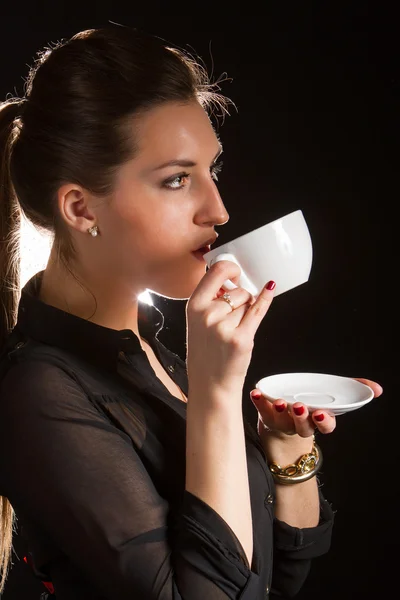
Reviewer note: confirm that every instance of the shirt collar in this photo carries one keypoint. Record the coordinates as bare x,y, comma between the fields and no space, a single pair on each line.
100,345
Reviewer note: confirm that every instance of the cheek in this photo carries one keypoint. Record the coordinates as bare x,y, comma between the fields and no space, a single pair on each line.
123,216
146,219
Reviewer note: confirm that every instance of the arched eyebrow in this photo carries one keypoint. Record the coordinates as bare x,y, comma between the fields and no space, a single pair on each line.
182,162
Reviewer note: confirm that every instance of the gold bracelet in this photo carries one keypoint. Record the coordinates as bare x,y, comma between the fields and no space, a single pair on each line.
306,467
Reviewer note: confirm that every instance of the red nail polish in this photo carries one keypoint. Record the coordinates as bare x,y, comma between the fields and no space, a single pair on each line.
298,410
279,407
49,586
320,417
270,285
255,394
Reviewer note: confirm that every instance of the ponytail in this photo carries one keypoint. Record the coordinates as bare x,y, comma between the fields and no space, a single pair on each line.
9,290
9,223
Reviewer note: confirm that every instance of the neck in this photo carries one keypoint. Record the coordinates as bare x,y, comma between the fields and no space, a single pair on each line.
91,298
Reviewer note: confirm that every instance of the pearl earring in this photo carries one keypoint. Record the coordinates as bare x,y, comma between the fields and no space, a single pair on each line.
93,230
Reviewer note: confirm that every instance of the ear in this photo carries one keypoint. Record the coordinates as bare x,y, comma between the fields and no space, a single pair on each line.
74,203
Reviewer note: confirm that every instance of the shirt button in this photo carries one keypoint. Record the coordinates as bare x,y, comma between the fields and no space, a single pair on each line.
267,591
268,499
171,368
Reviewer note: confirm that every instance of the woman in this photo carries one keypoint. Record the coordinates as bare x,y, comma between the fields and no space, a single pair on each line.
138,477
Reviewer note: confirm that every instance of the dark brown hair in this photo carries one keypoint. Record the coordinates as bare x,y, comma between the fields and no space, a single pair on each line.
71,126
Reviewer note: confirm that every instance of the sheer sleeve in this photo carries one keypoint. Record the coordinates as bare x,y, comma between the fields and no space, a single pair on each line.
295,548
80,478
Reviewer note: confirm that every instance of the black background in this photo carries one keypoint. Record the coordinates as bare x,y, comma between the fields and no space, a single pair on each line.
317,87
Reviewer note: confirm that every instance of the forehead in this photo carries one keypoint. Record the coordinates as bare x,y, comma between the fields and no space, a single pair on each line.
174,130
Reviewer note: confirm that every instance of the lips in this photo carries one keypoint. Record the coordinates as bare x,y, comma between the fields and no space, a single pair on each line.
199,254
204,249
205,246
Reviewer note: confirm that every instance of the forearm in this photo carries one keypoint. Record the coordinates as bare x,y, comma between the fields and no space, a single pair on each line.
296,504
216,464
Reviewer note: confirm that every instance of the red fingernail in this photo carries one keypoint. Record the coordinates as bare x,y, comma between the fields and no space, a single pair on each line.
320,417
255,394
279,407
298,410
270,285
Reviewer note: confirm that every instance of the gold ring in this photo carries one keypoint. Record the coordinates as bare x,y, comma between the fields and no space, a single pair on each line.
227,299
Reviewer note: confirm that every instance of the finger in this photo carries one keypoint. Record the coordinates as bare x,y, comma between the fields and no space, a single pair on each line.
232,317
212,281
283,420
303,424
272,412
222,291
238,297
376,388
324,422
257,311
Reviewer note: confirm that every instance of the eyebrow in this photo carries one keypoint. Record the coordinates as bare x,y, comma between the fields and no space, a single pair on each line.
182,162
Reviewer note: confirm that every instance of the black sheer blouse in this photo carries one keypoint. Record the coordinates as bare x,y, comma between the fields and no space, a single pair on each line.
92,458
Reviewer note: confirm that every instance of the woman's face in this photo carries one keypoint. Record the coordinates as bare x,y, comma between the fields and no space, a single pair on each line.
160,213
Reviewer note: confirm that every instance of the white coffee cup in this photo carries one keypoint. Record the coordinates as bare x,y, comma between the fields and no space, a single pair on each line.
280,251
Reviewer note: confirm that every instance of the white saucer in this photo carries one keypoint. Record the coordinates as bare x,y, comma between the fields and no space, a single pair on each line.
333,393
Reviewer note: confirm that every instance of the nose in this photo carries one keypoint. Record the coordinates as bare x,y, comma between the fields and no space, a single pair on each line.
212,210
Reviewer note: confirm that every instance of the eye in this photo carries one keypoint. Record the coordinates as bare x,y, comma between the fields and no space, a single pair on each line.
176,183
215,169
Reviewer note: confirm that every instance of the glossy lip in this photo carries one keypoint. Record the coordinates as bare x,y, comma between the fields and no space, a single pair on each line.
199,253
208,243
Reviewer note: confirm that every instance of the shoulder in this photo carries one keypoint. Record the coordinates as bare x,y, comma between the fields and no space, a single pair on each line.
28,383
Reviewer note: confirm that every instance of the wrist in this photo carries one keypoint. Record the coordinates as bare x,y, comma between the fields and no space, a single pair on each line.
281,448
209,399
305,467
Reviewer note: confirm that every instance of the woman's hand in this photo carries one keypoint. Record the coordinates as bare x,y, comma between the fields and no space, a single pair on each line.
278,418
220,339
